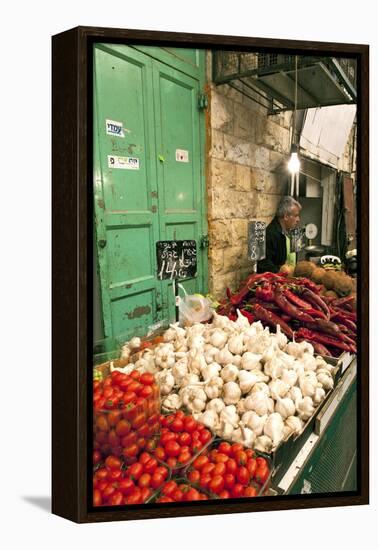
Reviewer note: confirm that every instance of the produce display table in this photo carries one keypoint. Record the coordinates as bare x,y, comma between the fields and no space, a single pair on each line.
327,460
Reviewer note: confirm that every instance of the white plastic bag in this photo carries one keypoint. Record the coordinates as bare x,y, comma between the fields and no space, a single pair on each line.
193,308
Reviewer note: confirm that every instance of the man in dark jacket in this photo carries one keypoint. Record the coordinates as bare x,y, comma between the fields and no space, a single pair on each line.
278,256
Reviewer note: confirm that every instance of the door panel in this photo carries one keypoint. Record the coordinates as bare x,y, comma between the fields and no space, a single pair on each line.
179,171
125,199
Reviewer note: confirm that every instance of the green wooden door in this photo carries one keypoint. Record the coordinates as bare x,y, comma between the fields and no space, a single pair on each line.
148,181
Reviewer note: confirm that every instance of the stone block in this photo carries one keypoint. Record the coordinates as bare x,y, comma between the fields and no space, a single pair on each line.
220,235
222,116
216,260
267,204
259,157
237,150
222,174
228,204
242,178
243,123
217,145
232,258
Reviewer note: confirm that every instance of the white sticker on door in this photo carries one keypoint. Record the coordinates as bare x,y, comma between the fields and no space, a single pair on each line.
123,163
182,155
114,128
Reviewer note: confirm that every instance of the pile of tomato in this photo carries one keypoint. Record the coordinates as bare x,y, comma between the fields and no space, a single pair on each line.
181,439
126,414
114,485
173,491
229,471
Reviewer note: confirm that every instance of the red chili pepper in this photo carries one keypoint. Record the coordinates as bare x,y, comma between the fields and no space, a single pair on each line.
315,300
342,301
346,314
265,292
324,339
271,319
295,299
347,322
251,318
289,308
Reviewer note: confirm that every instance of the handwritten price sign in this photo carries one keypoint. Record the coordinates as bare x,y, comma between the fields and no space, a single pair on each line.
176,259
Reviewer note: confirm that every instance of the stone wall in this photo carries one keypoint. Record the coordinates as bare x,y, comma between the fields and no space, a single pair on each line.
247,152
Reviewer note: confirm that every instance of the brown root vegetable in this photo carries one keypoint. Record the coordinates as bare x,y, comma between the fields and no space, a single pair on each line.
318,274
329,280
304,269
331,294
343,284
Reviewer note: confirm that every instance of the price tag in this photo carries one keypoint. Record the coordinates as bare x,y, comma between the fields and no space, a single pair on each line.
256,240
297,239
176,259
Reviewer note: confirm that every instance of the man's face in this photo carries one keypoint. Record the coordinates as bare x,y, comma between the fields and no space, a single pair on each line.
292,220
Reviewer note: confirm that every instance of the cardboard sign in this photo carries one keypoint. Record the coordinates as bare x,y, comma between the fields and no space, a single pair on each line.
176,259
256,240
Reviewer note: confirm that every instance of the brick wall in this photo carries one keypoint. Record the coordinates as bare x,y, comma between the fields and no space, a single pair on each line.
247,150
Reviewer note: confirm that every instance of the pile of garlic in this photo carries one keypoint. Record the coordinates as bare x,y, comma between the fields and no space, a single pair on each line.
245,383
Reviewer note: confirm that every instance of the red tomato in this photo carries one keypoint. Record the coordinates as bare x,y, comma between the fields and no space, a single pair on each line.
122,428
236,447
156,480
237,490
141,442
126,486
190,424
160,453
114,417
180,414
216,484
96,457
150,466
205,436
101,473
144,457
261,462
100,485
178,495
113,439
204,480
172,461
102,423
242,475
200,462
231,466
250,492
124,384
208,468
116,499
177,425
165,499
97,500
192,494
219,469
114,475
130,451
147,379
169,487
250,453
162,470
138,421
129,396
96,384
251,466
144,430
184,457
168,436
108,491
129,439
224,448
229,481
196,435
224,494
241,458
144,480
134,471
135,497
172,448
108,392
134,374
135,387
194,476
113,463
196,446
146,493
184,439
262,474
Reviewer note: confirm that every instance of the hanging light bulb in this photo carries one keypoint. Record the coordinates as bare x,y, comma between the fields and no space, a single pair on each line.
294,162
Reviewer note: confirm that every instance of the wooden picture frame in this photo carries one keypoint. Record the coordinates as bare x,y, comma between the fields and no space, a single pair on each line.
72,305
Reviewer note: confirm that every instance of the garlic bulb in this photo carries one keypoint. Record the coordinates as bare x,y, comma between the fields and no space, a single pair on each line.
179,371
172,402
326,380
295,394
281,338
229,414
166,381
253,421
218,339
226,430
278,388
134,343
220,321
235,344
246,381
224,356
240,406
263,443
196,361
319,396
210,371
213,387
170,334
289,377
294,423
261,386
274,428
273,368
193,398
307,386
210,418
236,360
210,354
285,407
259,402
305,408
250,361
216,405
242,321
125,352
231,393
189,379
230,373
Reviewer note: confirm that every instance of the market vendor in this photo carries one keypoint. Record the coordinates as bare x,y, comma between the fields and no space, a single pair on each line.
278,256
